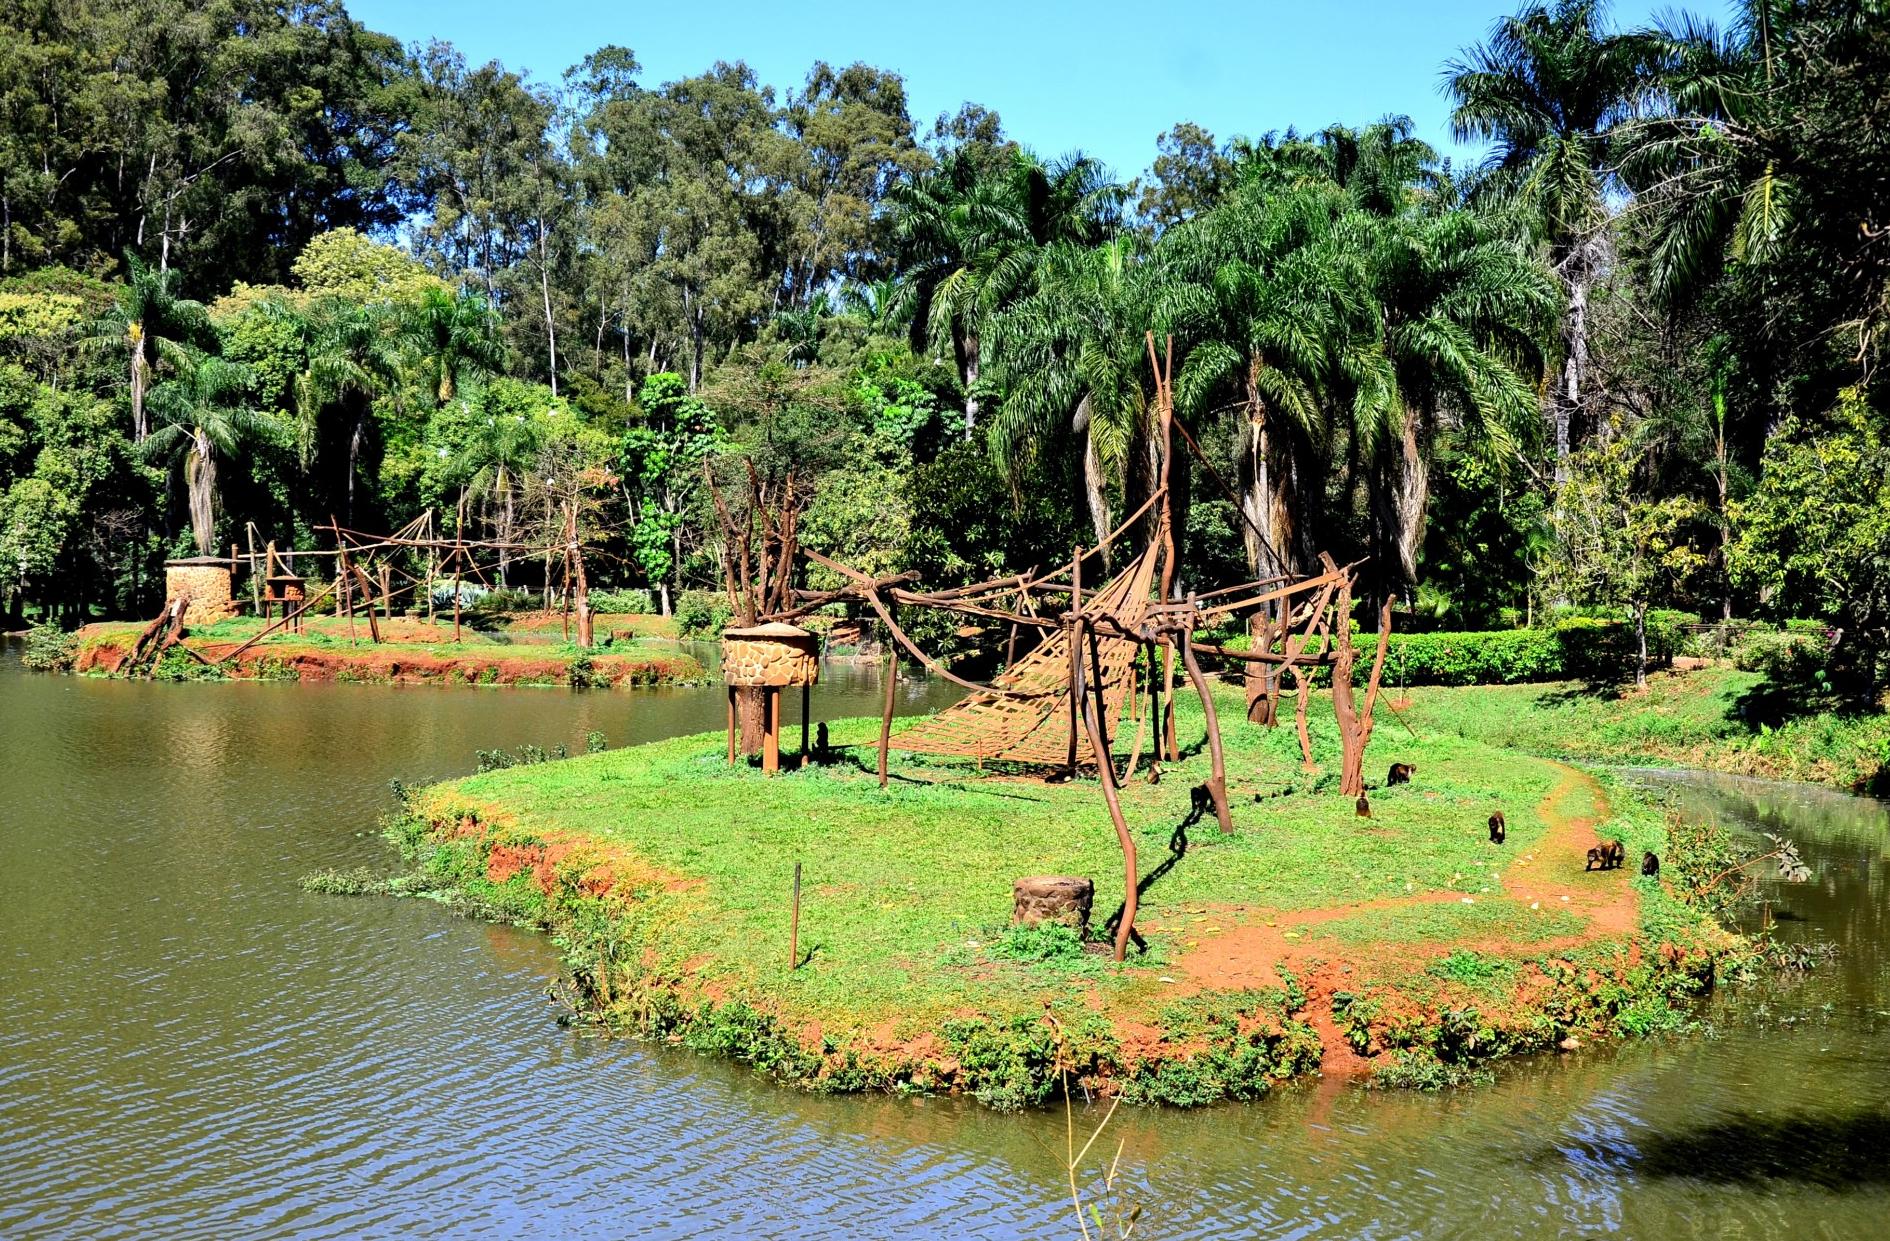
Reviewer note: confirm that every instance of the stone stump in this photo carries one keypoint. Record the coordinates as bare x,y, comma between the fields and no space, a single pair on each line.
1053,898
205,582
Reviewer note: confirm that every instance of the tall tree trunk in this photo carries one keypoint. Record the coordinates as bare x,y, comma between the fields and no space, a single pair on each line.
200,480
1410,488
1725,528
1574,366
967,346
140,376
544,292
1095,492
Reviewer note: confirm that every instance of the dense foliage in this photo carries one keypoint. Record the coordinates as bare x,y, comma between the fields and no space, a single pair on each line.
261,268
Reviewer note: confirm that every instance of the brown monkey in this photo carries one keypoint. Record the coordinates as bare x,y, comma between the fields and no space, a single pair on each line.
1617,854
1499,828
1597,857
820,739
1650,865
1363,807
1400,773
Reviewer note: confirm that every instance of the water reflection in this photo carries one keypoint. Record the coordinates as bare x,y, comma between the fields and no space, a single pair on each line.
189,1045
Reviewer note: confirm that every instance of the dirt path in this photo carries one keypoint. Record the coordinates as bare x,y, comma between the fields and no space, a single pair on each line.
1257,943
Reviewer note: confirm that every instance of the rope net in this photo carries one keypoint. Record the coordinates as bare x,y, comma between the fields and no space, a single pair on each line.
1025,717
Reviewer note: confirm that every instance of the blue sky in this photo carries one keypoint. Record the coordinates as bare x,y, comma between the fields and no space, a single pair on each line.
1107,77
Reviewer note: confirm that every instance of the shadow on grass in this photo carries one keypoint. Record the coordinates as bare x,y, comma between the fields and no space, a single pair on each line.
1177,849
1839,1151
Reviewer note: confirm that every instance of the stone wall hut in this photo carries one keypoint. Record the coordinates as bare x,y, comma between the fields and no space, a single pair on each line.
205,580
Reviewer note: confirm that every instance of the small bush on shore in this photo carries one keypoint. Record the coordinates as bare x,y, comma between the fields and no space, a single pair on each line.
49,649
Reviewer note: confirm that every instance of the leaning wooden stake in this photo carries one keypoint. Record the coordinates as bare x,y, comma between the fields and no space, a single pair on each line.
1217,782
1107,771
794,923
885,717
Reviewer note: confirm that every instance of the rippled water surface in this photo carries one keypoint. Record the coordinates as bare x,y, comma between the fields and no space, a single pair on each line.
190,1045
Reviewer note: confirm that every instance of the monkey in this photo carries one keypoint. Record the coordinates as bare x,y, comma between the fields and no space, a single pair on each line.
1617,854
1364,807
821,744
1499,828
1597,857
1400,773
1650,865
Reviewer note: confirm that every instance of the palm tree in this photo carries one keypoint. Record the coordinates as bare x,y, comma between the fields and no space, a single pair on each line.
1068,360
352,355
1270,298
1549,88
148,314
971,239
1466,312
493,462
450,335
202,413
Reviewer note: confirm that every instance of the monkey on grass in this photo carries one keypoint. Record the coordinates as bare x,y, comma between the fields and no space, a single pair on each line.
1400,773
1499,828
1650,865
1363,807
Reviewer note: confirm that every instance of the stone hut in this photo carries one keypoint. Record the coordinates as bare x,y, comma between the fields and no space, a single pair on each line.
205,580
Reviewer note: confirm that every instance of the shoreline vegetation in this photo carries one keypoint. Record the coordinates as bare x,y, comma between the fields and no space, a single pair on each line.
525,650
1403,949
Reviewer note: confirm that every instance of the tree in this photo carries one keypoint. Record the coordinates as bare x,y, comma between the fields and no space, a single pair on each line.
449,336
1550,87
1814,537
148,314
202,414
662,469
502,443
1620,542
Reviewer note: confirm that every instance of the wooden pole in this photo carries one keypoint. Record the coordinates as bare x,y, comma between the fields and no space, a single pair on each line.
459,550
1076,654
806,693
771,735
1107,771
731,726
1217,781
886,712
794,923
387,592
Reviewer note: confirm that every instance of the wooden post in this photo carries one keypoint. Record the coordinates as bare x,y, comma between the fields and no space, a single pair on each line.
1107,771
886,713
806,693
387,592
1076,653
1217,781
731,726
794,923
459,550
771,733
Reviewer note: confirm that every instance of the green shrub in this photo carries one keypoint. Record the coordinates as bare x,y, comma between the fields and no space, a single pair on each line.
634,602
1495,657
1795,656
702,613
50,649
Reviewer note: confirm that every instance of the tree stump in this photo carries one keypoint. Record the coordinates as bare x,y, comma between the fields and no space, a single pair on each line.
1052,898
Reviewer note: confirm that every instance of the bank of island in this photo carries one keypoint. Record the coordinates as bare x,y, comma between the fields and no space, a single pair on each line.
523,649
1404,947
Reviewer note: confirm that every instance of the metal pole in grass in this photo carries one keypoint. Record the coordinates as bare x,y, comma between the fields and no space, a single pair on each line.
794,924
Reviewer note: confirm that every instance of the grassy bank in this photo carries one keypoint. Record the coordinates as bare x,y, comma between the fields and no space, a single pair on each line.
1717,718
413,652
1405,946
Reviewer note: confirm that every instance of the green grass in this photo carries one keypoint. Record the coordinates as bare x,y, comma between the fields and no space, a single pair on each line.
1708,718
1491,918
907,891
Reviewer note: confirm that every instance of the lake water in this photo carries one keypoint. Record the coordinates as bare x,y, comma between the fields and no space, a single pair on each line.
192,1046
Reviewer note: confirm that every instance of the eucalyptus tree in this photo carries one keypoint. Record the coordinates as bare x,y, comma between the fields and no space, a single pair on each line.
203,413
1550,88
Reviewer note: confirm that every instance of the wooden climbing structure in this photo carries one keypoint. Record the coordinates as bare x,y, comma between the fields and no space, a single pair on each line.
1060,706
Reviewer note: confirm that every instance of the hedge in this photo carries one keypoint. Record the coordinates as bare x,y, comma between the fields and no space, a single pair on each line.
1575,648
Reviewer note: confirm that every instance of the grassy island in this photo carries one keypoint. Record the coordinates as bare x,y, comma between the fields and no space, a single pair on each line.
1405,946
527,650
